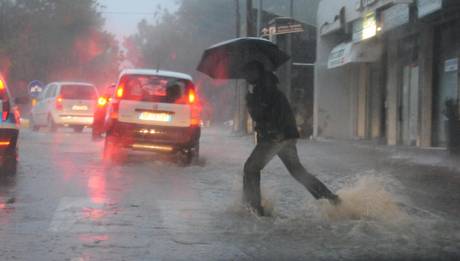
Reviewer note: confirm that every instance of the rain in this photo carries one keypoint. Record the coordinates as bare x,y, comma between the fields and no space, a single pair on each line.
229,130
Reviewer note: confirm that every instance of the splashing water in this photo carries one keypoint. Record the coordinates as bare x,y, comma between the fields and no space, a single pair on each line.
366,199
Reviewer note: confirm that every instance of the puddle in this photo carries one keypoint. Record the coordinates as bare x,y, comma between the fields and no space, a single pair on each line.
365,199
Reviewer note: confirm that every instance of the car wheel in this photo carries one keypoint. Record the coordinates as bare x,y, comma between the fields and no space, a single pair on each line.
52,127
194,153
10,164
189,156
78,129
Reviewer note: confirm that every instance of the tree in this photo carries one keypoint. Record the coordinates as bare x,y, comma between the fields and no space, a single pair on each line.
54,40
176,41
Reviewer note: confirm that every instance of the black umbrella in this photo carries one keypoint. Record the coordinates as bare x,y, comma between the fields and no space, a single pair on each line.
227,59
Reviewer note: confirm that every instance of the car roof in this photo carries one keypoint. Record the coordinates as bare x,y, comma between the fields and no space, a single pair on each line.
171,74
72,83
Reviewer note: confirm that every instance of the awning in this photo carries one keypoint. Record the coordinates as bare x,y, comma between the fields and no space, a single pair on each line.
363,52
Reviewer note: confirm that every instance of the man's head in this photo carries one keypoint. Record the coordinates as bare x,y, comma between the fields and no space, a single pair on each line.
253,71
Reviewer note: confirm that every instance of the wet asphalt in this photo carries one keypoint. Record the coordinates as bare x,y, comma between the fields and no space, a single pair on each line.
66,203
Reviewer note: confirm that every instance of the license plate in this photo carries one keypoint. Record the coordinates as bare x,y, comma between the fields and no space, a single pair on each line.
149,116
80,108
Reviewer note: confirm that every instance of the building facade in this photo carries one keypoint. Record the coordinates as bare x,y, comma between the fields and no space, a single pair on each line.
385,69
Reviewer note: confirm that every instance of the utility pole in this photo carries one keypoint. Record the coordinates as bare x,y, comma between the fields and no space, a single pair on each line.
289,51
239,102
249,19
248,124
238,18
259,17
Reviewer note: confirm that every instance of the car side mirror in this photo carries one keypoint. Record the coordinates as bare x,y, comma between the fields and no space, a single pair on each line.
21,100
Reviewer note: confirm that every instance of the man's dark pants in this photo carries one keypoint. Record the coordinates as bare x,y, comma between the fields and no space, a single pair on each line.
287,152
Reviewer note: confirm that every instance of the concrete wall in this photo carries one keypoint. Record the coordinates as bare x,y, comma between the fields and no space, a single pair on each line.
335,89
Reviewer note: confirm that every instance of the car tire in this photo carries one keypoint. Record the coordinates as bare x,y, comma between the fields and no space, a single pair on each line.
78,129
194,154
189,156
10,164
52,127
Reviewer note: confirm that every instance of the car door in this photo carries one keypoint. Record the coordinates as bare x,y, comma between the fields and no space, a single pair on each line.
41,109
50,99
37,109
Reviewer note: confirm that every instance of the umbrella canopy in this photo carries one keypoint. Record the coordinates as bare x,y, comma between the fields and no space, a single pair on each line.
227,59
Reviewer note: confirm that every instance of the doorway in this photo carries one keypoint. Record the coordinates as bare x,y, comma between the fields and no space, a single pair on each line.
409,106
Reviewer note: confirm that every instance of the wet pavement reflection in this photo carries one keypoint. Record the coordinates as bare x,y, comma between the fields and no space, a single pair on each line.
67,203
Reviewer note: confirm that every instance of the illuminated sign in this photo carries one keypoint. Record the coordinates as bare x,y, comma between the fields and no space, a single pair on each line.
283,25
365,27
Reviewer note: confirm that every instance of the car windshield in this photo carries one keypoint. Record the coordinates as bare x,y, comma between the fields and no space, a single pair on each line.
154,88
78,92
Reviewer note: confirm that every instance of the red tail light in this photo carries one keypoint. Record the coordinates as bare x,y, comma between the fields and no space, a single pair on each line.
5,101
115,109
120,91
59,105
195,115
5,109
195,108
5,113
102,101
191,96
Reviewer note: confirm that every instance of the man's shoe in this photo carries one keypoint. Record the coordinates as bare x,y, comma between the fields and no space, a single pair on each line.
259,211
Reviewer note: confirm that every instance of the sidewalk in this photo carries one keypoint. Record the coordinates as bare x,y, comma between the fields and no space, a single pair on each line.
433,157
429,178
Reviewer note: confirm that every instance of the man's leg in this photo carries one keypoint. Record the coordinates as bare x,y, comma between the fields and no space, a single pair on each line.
259,158
291,160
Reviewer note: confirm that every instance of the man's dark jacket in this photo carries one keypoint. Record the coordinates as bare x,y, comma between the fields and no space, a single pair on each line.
271,111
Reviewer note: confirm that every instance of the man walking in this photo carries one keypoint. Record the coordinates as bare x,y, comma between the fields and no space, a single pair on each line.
277,135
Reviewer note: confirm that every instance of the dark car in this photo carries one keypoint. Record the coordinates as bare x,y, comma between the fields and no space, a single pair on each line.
9,131
100,112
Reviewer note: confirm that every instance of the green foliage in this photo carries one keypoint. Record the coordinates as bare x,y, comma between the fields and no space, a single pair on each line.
177,40
53,40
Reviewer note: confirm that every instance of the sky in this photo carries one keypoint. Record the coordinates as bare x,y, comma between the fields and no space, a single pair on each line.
122,16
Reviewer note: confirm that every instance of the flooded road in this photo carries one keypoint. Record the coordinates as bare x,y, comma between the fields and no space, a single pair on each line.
66,203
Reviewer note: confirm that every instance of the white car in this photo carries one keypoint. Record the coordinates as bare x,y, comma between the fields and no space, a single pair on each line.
65,104
154,110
